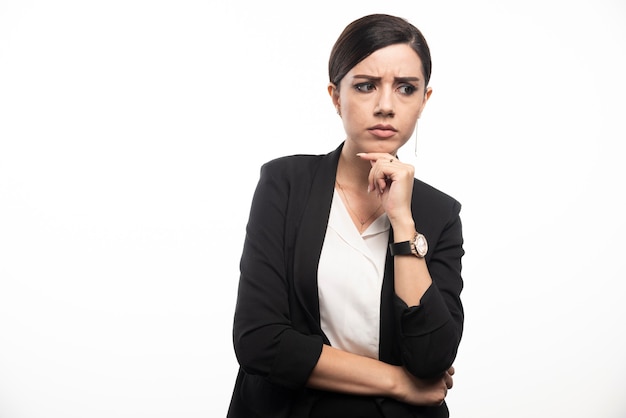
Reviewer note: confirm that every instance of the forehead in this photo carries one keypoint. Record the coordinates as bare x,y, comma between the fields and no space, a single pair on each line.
398,60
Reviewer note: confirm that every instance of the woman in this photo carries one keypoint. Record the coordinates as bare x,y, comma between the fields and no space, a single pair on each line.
344,309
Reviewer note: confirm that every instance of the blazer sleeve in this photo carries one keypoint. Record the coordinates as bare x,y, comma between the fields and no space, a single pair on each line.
430,333
266,342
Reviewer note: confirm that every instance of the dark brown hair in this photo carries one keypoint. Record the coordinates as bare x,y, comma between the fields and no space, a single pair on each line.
370,33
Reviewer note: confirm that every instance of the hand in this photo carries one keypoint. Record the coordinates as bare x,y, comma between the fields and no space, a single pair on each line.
425,392
393,181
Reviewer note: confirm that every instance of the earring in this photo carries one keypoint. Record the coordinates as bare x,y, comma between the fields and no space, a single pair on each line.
338,111
415,151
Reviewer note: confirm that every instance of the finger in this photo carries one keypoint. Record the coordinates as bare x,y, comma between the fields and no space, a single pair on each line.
375,156
451,370
380,178
445,394
381,185
374,175
448,381
384,184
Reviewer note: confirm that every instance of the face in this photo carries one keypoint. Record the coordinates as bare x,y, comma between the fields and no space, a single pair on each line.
380,99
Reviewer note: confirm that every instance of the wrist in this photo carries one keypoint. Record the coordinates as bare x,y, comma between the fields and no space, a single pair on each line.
403,230
401,385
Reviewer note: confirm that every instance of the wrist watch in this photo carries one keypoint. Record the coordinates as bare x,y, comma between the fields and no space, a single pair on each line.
418,246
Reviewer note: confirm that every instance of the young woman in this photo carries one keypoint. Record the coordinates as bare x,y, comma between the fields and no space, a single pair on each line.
349,295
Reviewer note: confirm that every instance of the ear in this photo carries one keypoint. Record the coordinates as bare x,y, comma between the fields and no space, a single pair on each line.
333,92
427,95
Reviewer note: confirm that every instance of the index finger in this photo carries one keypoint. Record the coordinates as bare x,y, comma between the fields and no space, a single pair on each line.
375,156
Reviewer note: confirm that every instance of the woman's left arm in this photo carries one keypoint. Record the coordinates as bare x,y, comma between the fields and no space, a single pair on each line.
428,305
431,326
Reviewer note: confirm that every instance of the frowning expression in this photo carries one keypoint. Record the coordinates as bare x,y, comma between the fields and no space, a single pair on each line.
381,98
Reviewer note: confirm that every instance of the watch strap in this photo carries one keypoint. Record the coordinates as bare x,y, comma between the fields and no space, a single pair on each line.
400,248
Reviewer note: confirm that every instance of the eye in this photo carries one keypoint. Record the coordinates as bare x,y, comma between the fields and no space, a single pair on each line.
364,87
407,89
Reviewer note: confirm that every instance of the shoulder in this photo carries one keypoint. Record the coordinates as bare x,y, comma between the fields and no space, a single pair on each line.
292,171
428,199
290,182
302,167
292,163
426,190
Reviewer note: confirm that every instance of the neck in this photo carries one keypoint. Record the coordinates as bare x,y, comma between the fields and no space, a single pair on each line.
353,171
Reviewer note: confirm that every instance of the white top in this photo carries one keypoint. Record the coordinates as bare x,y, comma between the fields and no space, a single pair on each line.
349,281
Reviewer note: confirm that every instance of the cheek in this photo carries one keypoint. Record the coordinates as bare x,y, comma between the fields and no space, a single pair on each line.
417,109
348,109
354,114
356,106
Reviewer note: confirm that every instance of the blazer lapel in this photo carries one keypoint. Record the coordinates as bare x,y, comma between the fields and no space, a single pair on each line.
310,238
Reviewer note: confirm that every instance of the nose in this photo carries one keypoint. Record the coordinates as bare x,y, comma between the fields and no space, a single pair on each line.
385,107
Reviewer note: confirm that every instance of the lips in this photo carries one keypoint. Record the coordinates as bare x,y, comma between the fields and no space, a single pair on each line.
382,131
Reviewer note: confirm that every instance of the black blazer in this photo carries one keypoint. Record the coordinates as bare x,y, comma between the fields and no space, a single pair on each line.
277,333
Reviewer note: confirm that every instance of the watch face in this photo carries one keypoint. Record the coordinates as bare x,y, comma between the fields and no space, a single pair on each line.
421,246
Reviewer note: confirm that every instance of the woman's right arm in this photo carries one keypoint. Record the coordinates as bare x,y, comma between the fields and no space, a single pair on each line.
341,371
265,340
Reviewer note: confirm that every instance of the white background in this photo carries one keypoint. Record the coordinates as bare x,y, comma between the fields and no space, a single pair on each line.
131,136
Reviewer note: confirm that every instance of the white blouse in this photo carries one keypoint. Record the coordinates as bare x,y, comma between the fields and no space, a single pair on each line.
350,277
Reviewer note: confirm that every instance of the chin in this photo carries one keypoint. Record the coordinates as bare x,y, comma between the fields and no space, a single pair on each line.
386,146
375,144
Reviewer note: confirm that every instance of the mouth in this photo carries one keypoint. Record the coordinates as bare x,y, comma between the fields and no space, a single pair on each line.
382,131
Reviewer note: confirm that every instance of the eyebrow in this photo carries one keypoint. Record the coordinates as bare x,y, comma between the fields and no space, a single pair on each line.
397,79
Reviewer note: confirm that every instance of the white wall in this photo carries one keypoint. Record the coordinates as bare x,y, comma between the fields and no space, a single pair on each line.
131,134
